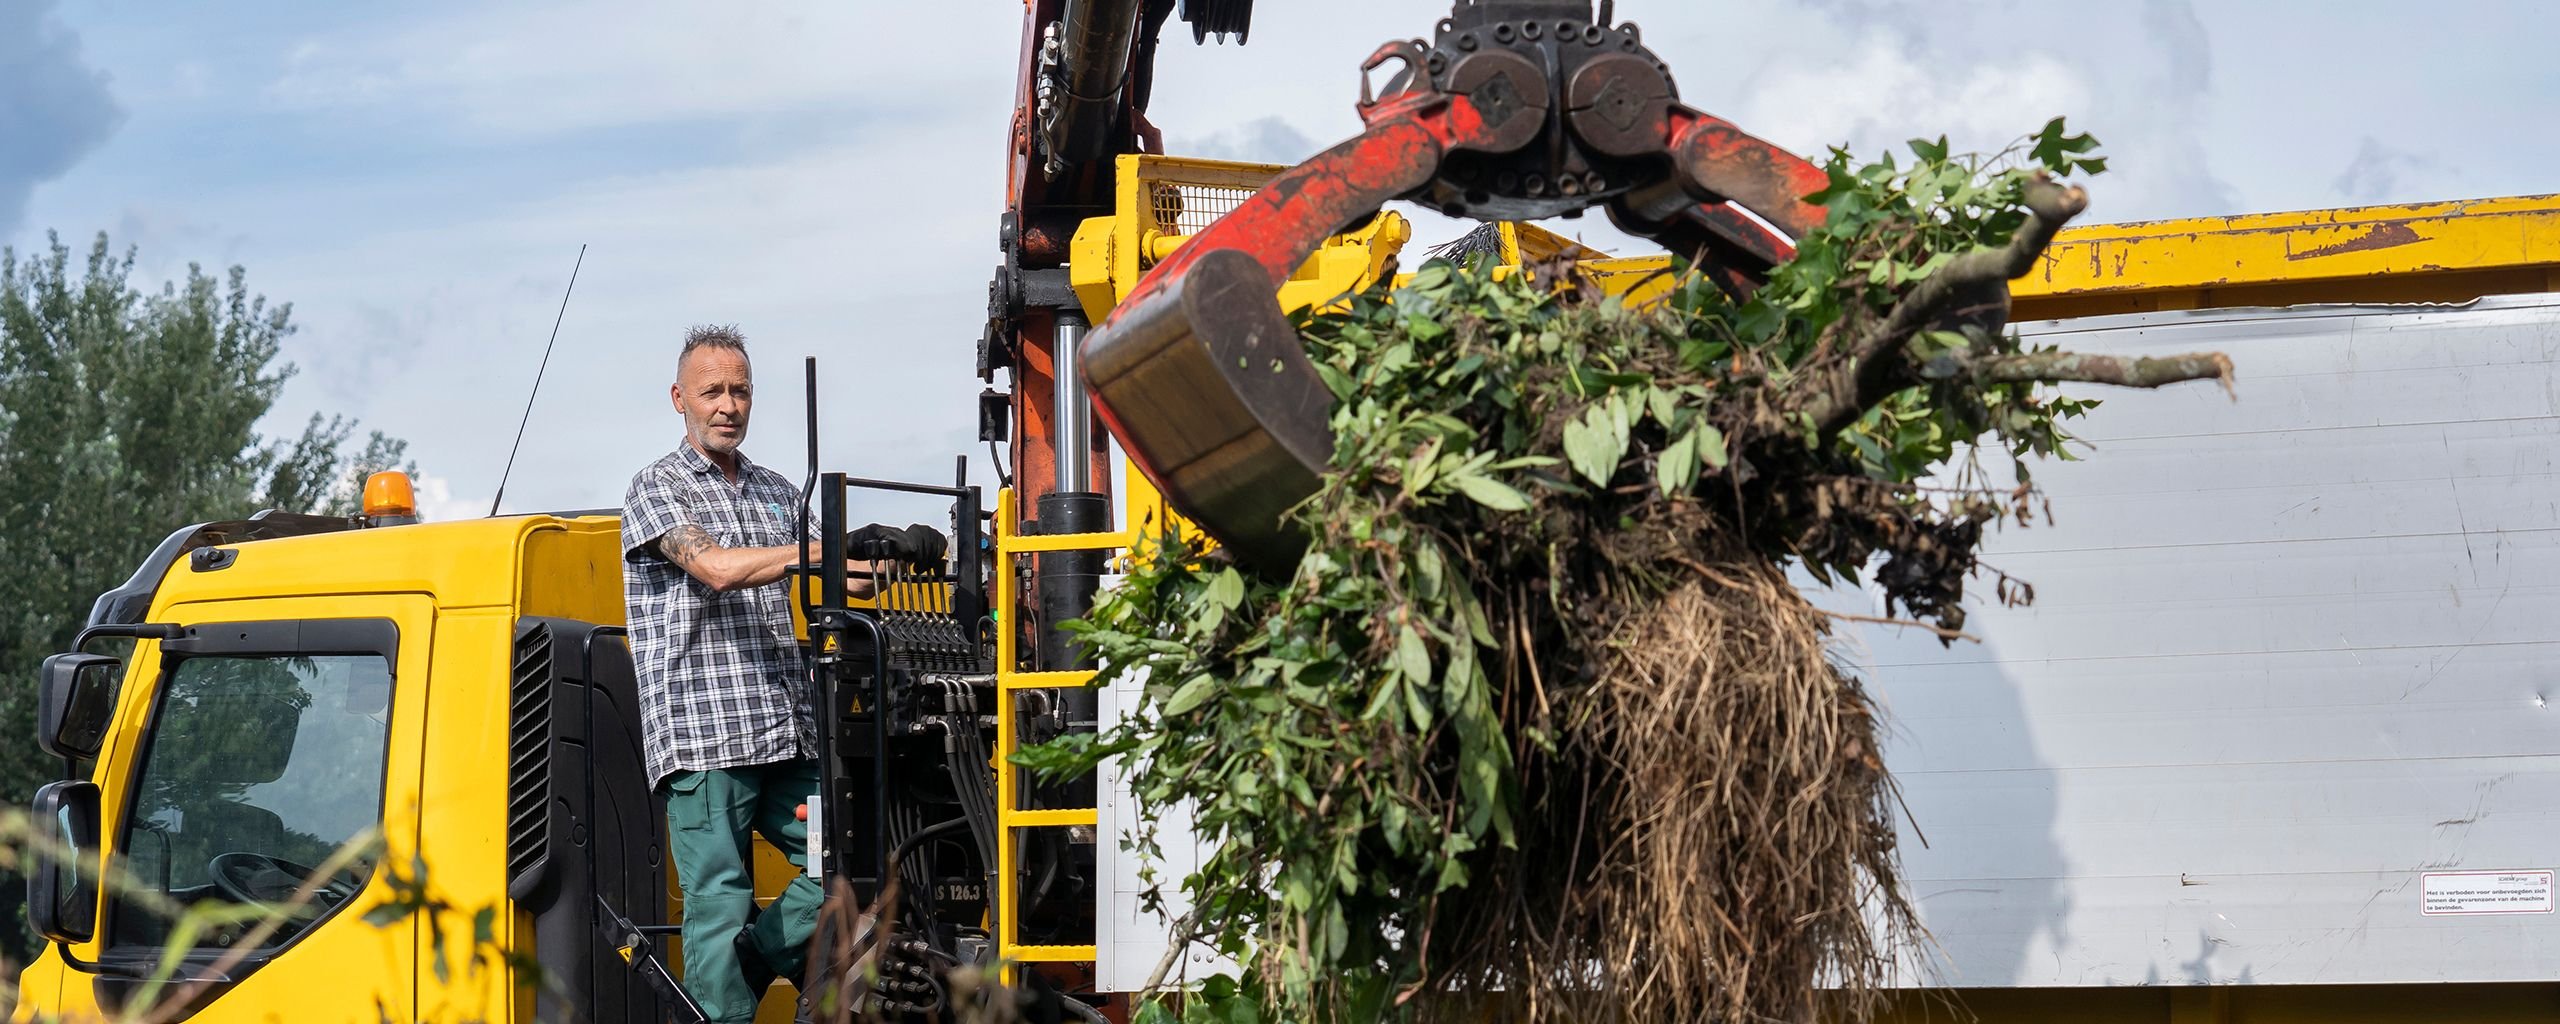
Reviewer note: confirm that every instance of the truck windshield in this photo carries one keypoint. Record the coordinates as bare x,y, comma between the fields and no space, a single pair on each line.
258,770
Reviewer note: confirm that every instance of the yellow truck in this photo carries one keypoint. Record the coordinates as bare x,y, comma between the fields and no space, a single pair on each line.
285,686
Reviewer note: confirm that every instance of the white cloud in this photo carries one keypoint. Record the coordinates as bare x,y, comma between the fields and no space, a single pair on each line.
536,69
1268,140
433,330
2378,173
438,504
56,108
1884,91
2137,75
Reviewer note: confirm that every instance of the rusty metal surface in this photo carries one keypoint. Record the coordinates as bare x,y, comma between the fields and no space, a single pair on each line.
2431,252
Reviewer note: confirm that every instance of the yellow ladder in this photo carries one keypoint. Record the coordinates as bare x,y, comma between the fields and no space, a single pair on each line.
1010,950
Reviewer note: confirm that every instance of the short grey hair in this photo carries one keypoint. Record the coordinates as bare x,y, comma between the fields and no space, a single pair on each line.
711,336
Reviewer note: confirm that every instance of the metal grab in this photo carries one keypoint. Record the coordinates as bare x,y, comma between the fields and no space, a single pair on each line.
1517,110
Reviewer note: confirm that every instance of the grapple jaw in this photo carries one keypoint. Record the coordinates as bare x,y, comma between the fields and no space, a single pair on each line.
1515,110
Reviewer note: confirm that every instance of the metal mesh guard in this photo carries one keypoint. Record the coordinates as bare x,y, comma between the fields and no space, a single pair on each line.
1180,209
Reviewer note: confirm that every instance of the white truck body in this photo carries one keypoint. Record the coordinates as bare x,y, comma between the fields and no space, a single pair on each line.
2289,671
2281,712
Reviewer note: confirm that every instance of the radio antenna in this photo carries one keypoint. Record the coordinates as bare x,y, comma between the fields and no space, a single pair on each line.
537,379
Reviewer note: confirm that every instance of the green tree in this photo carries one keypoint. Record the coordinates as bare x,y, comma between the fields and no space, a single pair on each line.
125,415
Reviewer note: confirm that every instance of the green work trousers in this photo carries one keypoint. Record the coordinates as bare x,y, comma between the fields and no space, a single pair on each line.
710,815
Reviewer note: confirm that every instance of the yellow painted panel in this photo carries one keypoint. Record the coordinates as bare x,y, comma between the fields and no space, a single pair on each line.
344,968
571,569
1052,954
465,563
2428,252
1048,818
1023,545
1046,680
461,809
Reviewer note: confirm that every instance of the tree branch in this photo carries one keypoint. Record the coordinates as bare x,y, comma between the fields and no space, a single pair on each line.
1943,633
2123,371
1969,285
2049,205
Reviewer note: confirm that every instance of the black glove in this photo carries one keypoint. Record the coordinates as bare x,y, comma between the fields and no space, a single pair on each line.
924,546
918,545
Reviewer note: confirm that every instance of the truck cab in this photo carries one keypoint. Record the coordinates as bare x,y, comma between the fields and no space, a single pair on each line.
434,723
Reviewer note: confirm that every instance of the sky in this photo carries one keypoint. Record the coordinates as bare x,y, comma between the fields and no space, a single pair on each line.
417,180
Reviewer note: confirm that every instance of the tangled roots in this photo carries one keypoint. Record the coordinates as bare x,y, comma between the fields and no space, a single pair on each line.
1719,793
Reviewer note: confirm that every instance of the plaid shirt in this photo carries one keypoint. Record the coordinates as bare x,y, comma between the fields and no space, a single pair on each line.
721,683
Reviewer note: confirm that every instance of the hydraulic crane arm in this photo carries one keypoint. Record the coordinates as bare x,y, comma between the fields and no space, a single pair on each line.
1517,110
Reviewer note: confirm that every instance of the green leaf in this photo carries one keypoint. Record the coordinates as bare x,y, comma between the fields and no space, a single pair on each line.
1477,628
1382,698
1421,467
1711,448
1226,590
1662,404
1593,444
1427,561
1492,493
1418,705
1412,658
1335,381
1194,692
1677,469
1458,681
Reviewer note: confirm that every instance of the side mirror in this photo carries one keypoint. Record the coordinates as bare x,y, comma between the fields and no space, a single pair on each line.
62,880
75,700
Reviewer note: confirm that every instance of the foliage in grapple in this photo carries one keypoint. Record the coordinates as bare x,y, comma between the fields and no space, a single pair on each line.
1438,757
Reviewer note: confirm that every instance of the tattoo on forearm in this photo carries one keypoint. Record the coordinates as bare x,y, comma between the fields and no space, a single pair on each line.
686,544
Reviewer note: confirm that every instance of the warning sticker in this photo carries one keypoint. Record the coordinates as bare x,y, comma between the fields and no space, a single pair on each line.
2485,892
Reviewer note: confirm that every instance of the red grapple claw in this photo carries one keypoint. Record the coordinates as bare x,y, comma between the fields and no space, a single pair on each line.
1510,113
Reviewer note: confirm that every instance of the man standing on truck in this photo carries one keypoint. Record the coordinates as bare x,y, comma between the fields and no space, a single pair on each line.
707,538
